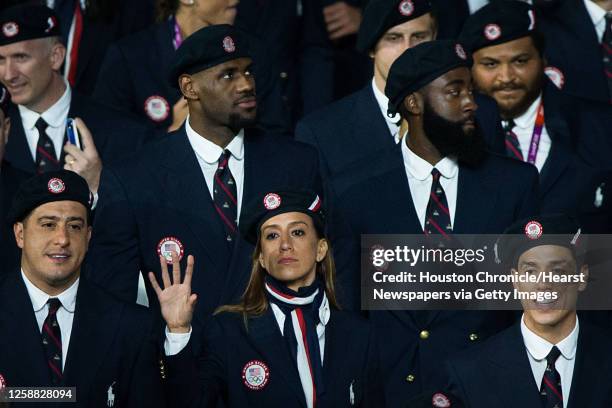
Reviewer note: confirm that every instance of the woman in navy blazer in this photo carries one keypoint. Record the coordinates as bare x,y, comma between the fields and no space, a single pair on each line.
286,343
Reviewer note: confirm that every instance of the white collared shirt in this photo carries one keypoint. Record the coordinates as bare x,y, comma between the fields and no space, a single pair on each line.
538,349
55,117
523,129
383,104
65,313
475,5
208,155
598,18
419,170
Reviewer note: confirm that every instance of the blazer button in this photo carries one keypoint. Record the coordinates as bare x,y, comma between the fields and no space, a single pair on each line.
473,337
424,335
284,75
410,378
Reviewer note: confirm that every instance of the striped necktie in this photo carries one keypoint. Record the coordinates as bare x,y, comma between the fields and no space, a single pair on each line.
52,341
550,390
224,196
437,215
513,148
46,159
606,44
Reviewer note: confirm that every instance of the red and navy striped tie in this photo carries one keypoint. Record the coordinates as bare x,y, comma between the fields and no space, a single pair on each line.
550,390
437,216
46,159
513,147
52,341
224,196
606,44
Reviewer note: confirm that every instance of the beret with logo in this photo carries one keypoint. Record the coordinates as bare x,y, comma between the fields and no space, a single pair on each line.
207,47
419,65
380,15
27,22
268,205
554,229
60,185
497,23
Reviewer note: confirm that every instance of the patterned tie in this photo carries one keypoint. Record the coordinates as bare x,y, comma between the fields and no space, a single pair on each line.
224,196
437,216
606,44
52,341
513,148
46,160
550,390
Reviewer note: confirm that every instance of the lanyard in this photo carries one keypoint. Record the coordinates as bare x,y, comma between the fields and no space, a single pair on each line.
178,38
536,135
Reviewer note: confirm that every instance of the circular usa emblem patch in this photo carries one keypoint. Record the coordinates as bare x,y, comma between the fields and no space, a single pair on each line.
157,108
167,245
228,44
10,29
440,400
533,230
272,201
460,52
406,8
556,76
255,375
56,186
492,32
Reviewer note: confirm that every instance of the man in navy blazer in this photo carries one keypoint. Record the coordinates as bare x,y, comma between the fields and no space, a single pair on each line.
551,358
168,198
58,329
477,193
542,124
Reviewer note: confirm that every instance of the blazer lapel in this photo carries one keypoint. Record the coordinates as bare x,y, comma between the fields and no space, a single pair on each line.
470,215
267,339
584,386
370,132
17,150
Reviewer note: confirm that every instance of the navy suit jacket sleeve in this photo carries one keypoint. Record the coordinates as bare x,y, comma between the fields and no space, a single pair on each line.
113,260
530,205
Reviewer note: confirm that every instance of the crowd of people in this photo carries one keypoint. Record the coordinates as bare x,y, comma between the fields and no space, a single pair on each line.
185,184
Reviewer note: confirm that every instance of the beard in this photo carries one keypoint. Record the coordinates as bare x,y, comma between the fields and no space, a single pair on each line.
450,139
531,91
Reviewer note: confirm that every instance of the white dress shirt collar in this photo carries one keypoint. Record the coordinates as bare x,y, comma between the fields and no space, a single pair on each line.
539,348
383,104
211,152
55,116
597,13
527,120
420,169
39,298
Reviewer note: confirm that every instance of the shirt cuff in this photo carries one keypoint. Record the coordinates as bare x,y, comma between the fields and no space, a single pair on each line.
175,342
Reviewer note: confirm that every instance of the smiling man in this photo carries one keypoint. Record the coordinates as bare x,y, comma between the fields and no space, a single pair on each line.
550,358
59,330
186,192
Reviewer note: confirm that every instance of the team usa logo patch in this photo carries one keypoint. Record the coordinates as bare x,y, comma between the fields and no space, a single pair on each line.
533,230
10,29
492,32
440,400
272,201
255,375
406,8
157,108
228,44
56,186
460,52
167,245
556,76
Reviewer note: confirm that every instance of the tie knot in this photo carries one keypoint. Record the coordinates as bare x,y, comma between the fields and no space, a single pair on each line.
435,173
552,356
54,304
223,159
41,125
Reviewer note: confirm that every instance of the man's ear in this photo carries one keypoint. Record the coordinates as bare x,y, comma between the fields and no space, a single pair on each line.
18,231
187,87
584,271
57,56
413,104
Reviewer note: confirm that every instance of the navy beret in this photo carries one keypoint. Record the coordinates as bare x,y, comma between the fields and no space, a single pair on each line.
435,399
268,205
59,185
497,23
555,229
207,47
419,65
27,22
380,15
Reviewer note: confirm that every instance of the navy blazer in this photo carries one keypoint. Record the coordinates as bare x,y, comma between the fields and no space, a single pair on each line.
136,68
490,198
10,179
353,129
115,134
497,373
349,364
572,46
163,193
112,343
